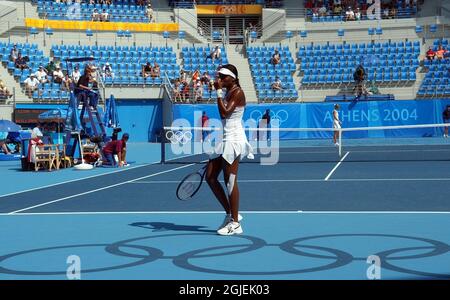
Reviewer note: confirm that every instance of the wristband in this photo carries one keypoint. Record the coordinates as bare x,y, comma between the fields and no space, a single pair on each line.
219,93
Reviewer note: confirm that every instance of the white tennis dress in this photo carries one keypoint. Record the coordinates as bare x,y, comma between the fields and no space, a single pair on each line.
336,124
234,142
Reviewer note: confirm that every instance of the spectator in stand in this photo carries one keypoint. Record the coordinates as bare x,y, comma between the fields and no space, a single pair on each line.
277,85
149,12
393,12
177,90
58,75
185,90
315,12
430,53
67,84
51,67
440,52
41,75
76,74
215,54
20,62
107,71
337,10
4,92
358,14
156,71
205,79
386,13
323,11
276,58
14,53
95,16
104,17
147,70
349,14
198,91
31,84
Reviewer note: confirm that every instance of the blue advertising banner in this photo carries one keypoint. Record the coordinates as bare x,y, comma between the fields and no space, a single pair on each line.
320,115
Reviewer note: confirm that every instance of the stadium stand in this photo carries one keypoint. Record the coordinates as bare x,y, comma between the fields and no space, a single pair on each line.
190,3
265,73
391,62
355,10
119,11
35,58
126,61
195,58
437,80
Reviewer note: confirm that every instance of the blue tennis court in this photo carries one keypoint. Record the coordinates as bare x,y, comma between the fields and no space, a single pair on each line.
302,220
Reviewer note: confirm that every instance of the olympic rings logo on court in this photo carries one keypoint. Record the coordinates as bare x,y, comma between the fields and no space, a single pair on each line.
304,247
179,136
281,115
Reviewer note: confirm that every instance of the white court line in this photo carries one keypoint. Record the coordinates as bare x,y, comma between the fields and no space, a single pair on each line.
302,180
73,180
220,212
337,166
100,189
373,212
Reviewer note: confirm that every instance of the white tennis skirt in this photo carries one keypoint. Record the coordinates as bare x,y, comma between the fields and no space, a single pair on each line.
231,150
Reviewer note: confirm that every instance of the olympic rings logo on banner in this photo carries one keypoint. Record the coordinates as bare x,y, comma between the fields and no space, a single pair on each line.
179,137
281,115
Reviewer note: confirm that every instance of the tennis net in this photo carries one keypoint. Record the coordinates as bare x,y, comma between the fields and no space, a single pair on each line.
424,142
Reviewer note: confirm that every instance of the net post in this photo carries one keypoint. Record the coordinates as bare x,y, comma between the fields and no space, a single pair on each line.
340,142
163,146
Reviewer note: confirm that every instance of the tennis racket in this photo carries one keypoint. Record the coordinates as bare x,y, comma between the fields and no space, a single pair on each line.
191,184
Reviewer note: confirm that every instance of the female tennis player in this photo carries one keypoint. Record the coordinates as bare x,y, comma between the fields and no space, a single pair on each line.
230,150
336,124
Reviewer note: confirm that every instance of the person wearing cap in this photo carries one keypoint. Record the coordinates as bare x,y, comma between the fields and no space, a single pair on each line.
31,84
41,75
230,150
107,71
104,17
84,88
115,147
76,74
58,75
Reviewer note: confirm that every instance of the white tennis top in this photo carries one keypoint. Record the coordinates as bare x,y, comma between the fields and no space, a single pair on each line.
234,142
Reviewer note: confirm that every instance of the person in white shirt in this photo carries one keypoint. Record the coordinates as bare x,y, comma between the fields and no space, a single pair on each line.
41,75
58,75
76,75
350,15
95,15
215,54
358,15
149,12
323,11
31,84
37,131
104,16
336,124
107,71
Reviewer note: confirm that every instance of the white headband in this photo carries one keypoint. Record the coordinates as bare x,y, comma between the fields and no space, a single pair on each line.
225,71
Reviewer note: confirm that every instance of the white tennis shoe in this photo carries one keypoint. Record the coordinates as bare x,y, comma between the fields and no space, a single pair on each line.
230,229
228,218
